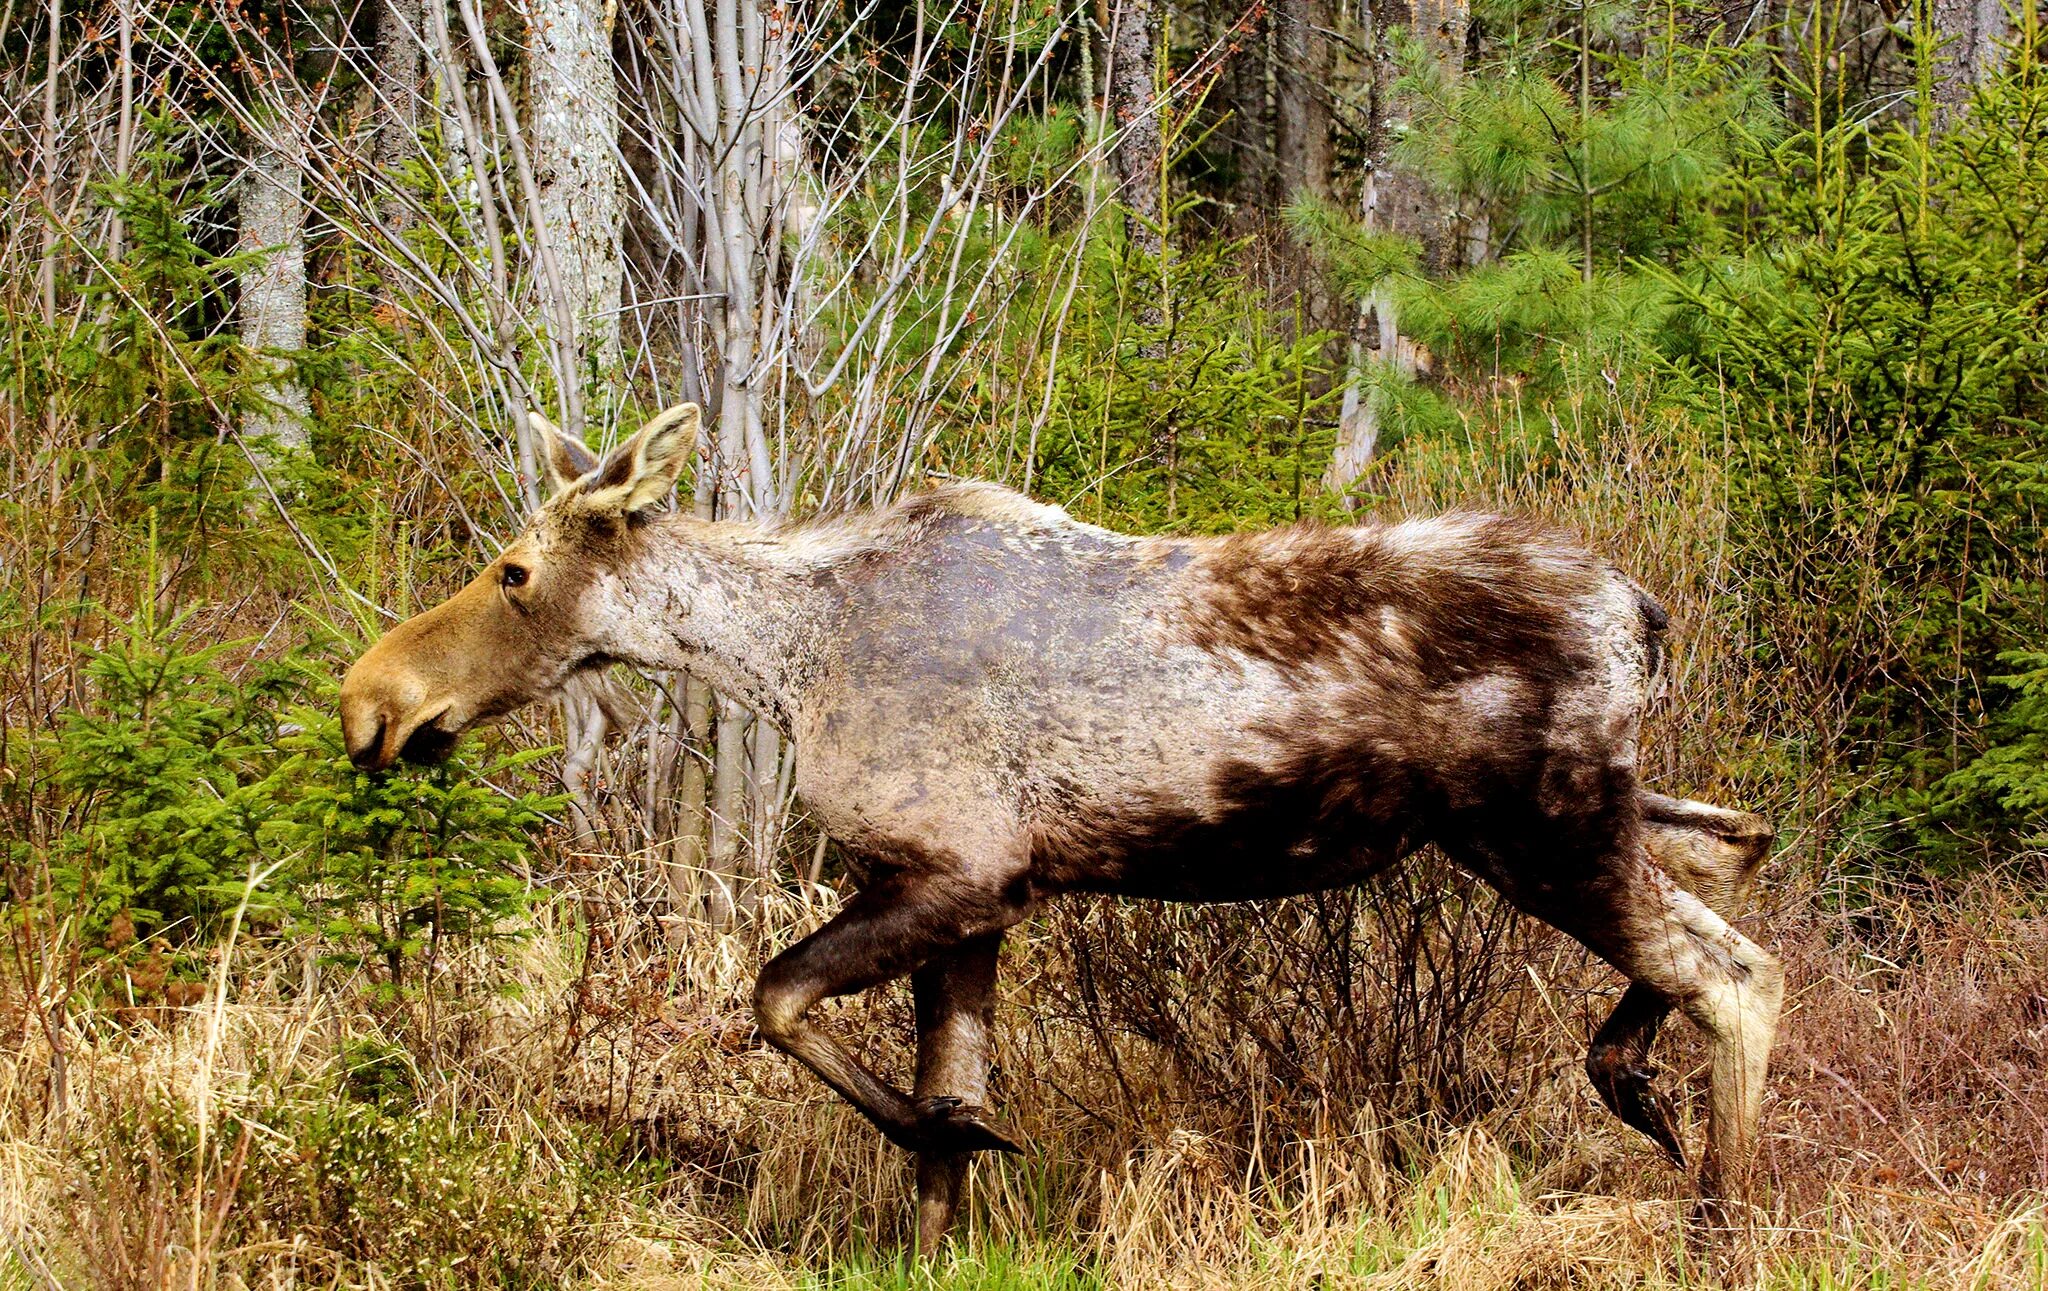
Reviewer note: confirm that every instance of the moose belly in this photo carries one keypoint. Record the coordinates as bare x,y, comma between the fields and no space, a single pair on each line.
1254,835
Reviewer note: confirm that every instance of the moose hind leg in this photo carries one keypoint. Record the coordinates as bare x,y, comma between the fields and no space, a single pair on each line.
1714,853
1618,1064
1667,940
880,935
1710,851
955,995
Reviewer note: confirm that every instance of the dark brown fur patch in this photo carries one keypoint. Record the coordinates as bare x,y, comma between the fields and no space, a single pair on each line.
1503,590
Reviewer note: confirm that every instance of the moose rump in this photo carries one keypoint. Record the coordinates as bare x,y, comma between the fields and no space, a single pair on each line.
1464,680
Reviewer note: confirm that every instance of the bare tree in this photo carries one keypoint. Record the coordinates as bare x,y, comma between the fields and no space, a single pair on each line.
575,112
1395,199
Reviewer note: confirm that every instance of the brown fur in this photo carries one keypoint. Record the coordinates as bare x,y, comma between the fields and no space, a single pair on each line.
995,703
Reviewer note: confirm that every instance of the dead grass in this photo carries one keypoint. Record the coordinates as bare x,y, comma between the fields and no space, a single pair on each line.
1904,1144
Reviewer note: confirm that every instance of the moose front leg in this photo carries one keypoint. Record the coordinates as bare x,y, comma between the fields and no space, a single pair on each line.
882,934
955,996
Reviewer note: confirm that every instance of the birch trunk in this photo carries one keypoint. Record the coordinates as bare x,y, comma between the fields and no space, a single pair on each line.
272,305
575,106
1395,200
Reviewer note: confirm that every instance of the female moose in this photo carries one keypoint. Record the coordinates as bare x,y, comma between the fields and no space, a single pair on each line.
994,703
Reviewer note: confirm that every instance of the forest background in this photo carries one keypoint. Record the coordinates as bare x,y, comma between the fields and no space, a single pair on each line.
1750,295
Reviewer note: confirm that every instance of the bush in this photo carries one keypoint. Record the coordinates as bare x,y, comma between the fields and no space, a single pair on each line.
379,1191
1873,340
390,866
180,783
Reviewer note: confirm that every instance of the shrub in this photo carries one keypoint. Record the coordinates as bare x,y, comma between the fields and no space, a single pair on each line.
180,782
376,1191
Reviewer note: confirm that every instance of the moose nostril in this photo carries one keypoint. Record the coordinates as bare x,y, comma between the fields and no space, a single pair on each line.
365,755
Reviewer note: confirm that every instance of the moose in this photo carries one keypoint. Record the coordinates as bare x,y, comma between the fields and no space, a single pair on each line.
994,703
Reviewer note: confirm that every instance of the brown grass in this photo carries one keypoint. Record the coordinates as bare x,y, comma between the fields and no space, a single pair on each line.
1904,1136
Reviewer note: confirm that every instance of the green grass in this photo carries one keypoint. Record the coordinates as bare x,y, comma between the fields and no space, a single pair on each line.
984,1267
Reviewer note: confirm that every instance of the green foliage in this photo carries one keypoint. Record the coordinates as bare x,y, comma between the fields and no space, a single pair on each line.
1566,206
1873,338
1198,419
1630,175
408,1196
183,782
167,773
2011,776
149,370
389,866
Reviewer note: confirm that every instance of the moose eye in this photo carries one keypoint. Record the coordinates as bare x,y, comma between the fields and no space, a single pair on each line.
515,576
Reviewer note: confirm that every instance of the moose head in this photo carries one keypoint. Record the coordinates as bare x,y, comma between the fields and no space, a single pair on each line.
524,625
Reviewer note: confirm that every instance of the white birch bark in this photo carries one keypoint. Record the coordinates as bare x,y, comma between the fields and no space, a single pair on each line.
575,111
272,305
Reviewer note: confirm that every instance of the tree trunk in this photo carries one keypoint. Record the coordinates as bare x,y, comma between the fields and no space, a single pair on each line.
1134,110
400,37
1243,102
731,894
1969,33
1304,151
1396,200
272,305
1407,203
575,106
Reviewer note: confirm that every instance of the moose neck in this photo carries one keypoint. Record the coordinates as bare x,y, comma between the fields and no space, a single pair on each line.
730,602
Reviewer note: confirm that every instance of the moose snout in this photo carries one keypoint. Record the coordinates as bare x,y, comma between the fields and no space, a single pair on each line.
367,719
364,740
386,714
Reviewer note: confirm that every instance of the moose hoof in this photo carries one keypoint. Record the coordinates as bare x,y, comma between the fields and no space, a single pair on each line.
1630,1095
952,1125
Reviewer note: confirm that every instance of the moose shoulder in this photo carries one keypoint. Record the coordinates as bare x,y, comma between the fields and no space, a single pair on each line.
995,703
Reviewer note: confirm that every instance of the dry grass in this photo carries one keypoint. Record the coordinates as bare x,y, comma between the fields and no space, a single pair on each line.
666,1148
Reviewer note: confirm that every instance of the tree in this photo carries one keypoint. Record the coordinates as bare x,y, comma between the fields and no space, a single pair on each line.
1398,199
1303,147
397,77
271,202
575,106
1969,35
1134,110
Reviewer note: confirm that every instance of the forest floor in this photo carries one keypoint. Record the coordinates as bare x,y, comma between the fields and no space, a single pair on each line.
609,1119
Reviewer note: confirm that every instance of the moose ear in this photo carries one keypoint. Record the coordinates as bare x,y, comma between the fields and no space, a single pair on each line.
641,472
565,460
